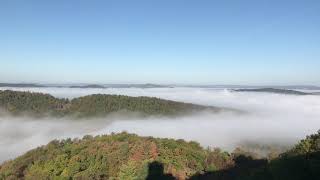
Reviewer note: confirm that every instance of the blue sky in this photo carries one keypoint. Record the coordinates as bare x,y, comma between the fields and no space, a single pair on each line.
253,42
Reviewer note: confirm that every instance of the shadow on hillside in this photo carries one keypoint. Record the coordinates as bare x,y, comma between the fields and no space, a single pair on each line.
294,167
156,172
244,166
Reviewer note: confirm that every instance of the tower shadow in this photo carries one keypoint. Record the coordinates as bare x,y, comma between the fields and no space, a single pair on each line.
156,172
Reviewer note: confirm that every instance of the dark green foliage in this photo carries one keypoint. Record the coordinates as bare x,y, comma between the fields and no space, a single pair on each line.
119,156
31,103
300,163
309,145
39,104
102,104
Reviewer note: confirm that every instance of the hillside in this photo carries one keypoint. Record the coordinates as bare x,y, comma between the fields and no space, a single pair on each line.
117,156
128,156
39,104
274,90
299,163
89,86
21,85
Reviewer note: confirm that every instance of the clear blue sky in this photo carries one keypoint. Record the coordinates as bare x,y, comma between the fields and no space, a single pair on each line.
255,42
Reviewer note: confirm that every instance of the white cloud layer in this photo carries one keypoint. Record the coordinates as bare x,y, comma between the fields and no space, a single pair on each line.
271,118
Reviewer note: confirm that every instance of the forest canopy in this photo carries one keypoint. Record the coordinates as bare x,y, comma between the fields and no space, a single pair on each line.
39,104
128,156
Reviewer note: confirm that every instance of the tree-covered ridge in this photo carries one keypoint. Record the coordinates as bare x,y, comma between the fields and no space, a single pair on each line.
39,104
117,156
96,104
17,102
274,90
128,156
19,85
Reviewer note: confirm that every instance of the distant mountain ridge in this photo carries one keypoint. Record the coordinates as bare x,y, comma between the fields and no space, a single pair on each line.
150,85
119,86
20,85
89,86
277,91
102,86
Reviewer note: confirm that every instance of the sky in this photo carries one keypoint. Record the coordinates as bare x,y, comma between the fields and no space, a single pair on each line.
247,42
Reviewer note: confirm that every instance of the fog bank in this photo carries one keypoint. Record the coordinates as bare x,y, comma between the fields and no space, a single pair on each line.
271,118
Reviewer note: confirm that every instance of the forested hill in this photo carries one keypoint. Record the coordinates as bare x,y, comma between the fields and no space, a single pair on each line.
38,104
273,90
128,156
118,156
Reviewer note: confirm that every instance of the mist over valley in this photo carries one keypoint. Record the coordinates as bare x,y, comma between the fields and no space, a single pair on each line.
269,119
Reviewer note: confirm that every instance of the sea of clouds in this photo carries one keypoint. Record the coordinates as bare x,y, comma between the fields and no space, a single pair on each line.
270,118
